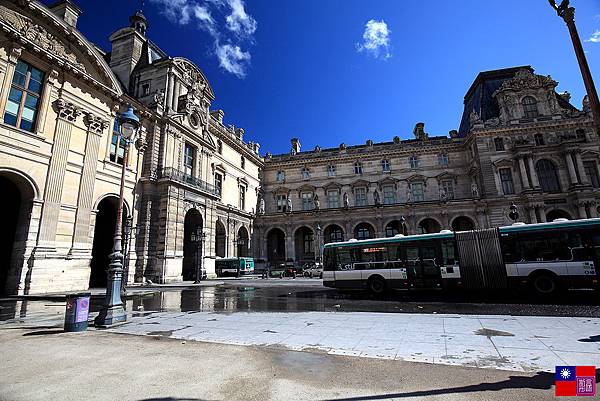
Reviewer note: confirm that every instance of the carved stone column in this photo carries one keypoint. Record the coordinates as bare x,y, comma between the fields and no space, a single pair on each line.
96,127
67,114
532,216
582,175
50,80
532,173
541,214
169,98
290,249
571,168
176,92
524,179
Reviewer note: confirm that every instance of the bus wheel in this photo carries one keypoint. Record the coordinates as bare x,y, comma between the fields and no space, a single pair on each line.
544,284
377,285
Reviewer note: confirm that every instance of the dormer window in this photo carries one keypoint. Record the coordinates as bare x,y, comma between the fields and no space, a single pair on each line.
530,108
280,176
385,166
414,162
358,169
305,173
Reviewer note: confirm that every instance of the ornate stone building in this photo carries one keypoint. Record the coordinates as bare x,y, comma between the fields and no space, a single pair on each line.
61,159
519,141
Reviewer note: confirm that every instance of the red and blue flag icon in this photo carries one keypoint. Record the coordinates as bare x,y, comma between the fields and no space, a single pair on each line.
575,381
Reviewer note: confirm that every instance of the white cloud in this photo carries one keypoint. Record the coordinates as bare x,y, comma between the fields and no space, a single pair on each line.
595,38
376,40
226,21
233,59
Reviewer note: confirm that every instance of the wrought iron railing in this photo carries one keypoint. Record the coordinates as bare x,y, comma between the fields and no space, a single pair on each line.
179,176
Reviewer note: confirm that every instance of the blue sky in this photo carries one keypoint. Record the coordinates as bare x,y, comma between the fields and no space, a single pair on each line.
303,68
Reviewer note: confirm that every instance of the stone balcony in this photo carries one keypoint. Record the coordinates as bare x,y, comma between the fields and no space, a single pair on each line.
179,176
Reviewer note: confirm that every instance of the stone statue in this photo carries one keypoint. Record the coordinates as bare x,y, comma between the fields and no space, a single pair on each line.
443,196
376,198
289,204
474,118
408,195
317,202
475,190
346,200
586,104
261,206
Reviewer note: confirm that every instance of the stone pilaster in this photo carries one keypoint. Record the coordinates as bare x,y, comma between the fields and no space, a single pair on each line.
532,173
96,127
524,180
67,114
571,168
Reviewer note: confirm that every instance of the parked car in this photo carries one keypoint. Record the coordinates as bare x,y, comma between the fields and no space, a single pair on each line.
313,270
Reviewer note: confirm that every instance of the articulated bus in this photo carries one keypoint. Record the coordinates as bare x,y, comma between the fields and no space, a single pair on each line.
545,257
234,266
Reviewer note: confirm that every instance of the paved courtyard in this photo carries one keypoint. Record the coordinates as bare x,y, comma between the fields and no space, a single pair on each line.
517,343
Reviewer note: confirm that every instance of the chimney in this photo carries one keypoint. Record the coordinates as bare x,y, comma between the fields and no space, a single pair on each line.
67,10
295,146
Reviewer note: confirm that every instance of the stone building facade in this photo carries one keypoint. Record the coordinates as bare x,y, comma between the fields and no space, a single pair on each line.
519,141
61,157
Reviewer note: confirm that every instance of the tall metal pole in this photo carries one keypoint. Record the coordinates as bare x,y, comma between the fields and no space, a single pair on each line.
568,15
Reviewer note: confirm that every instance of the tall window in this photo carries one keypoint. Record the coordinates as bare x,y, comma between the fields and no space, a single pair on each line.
243,162
499,143
242,197
360,197
281,203
385,166
308,241
507,181
117,144
280,176
591,170
363,232
219,182
305,173
414,162
389,195
418,193
335,235
333,198
145,89
448,187
547,176
307,200
443,160
331,170
539,139
358,169
219,147
530,107
24,96
188,159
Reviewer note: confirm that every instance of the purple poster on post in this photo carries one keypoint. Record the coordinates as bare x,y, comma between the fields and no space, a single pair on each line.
83,309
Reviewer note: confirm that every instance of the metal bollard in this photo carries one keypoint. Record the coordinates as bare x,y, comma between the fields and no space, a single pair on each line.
77,312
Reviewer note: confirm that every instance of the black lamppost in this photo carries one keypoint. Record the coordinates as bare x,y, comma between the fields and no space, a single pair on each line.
319,242
197,238
513,214
113,312
568,15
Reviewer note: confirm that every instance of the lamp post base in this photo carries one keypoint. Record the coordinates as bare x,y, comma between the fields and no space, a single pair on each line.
113,312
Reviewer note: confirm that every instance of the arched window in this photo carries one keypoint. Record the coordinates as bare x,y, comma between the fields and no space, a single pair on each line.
334,233
547,176
364,231
530,107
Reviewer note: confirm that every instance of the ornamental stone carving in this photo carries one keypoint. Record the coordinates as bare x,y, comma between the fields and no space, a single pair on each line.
66,110
95,124
37,35
525,79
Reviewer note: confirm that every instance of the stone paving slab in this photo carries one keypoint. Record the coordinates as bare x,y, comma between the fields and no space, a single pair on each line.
519,343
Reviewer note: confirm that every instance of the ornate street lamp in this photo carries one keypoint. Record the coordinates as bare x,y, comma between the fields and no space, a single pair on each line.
113,312
197,239
568,15
513,214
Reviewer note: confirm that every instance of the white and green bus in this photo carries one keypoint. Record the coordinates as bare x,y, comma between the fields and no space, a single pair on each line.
234,266
545,257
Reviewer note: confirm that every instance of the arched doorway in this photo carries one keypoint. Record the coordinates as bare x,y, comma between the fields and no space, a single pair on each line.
304,244
462,223
104,233
393,228
557,214
15,203
428,226
275,247
333,233
242,242
220,239
364,231
192,244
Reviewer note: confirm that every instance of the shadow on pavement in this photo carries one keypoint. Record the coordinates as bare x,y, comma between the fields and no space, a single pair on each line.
44,332
541,381
172,399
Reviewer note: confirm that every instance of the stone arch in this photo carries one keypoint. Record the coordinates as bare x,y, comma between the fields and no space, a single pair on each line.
193,227
332,233
304,244
126,208
17,202
364,230
275,238
553,214
428,225
243,242
462,223
394,227
220,239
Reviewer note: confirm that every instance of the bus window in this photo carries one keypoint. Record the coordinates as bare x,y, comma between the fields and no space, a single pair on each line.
581,254
343,257
510,252
448,252
329,259
412,262
393,252
374,254
428,257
